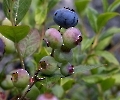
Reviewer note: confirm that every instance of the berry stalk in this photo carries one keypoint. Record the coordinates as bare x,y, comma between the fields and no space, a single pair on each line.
35,79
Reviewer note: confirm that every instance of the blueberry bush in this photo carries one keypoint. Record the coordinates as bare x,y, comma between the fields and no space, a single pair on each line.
46,53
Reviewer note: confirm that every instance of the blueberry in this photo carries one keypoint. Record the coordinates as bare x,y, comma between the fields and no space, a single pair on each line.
72,37
7,83
47,96
2,48
65,18
61,56
53,38
67,69
20,78
48,65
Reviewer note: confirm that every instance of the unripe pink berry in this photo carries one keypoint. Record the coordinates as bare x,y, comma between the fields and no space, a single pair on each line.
20,78
72,37
47,96
53,38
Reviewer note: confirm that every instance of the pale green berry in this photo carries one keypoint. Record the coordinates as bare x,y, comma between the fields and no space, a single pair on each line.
48,65
53,38
20,78
72,37
61,56
7,83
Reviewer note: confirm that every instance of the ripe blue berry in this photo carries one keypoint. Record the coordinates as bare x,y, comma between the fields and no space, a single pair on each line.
53,38
48,65
65,18
67,69
2,48
72,37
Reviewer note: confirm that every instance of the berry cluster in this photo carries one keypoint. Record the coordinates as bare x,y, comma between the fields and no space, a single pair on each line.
61,43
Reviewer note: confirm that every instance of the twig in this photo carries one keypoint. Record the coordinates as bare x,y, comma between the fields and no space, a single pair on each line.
52,53
20,56
35,79
59,28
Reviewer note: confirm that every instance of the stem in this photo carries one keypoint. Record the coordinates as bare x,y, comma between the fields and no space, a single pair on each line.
52,53
59,28
20,56
11,12
36,79
30,86
16,44
95,42
100,92
42,36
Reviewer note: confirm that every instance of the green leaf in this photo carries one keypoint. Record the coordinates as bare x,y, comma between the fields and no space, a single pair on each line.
92,17
81,5
67,83
117,78
50,79
42,53
93,60
58,91
78,56
109,32
108,56
113,6
15,10
107,83
14,33
86,43
30,43
31,66
84,68
33,93
41,13
105,38
92,79
104,18
105,5
103,43
52,3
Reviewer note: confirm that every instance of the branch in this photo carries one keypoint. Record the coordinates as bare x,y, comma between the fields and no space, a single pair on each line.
34,80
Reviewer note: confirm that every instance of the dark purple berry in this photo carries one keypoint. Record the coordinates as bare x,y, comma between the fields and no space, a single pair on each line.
67,69
53,38
65,17
72,37
2,48
48,65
